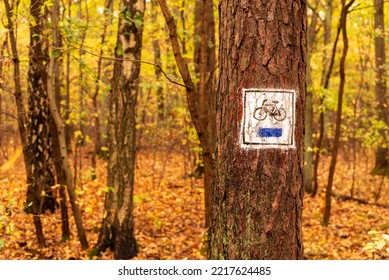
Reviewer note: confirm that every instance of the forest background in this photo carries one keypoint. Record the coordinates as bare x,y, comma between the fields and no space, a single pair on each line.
169,211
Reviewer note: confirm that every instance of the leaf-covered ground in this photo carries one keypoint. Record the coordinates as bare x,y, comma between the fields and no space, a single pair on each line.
169,214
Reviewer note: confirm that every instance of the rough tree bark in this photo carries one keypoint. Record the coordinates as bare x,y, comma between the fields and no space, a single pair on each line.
40,177
335,147
117,230
382,153
257,193
205,63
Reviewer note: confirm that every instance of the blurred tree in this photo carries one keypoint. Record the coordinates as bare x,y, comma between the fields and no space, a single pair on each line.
20,104
328,63
308,153
342,73
98,142
205,64
382,153
157,61
2,48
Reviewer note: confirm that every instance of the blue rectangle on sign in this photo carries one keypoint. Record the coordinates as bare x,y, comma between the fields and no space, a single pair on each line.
270,132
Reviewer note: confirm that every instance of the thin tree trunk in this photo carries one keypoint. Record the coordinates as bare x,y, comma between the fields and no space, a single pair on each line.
192,100
16,78
81,126
68,127
157,61
382,153
205,63
61,136
95,98
60,172
343,26
117,230
81,135
308,153
181,15
328,62
3,46
191,92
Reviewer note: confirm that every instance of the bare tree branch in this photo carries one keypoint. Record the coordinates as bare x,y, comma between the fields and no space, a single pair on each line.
121,59
191,93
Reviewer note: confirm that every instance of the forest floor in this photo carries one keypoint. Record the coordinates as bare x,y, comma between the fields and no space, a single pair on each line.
169,213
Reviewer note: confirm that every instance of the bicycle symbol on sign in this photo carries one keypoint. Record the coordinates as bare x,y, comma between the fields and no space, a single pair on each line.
271,109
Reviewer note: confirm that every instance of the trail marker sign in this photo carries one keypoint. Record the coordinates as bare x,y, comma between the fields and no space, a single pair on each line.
268,118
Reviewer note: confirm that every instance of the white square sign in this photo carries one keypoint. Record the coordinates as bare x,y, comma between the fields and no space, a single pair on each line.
268,118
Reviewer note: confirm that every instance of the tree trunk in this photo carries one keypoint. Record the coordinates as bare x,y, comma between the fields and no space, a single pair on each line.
205,63
81,133
60,132
181,16
157,61
40,176
117,230
3,46
382,153
328,63
60,172
343,26
191,93
308,153
81,79
257,191
16,77
68,127
95,98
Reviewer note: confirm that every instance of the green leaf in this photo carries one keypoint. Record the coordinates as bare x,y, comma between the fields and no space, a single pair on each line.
9,229
5,180
1,243
119,50
138,20
123,9
82,63
56,53
128,15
